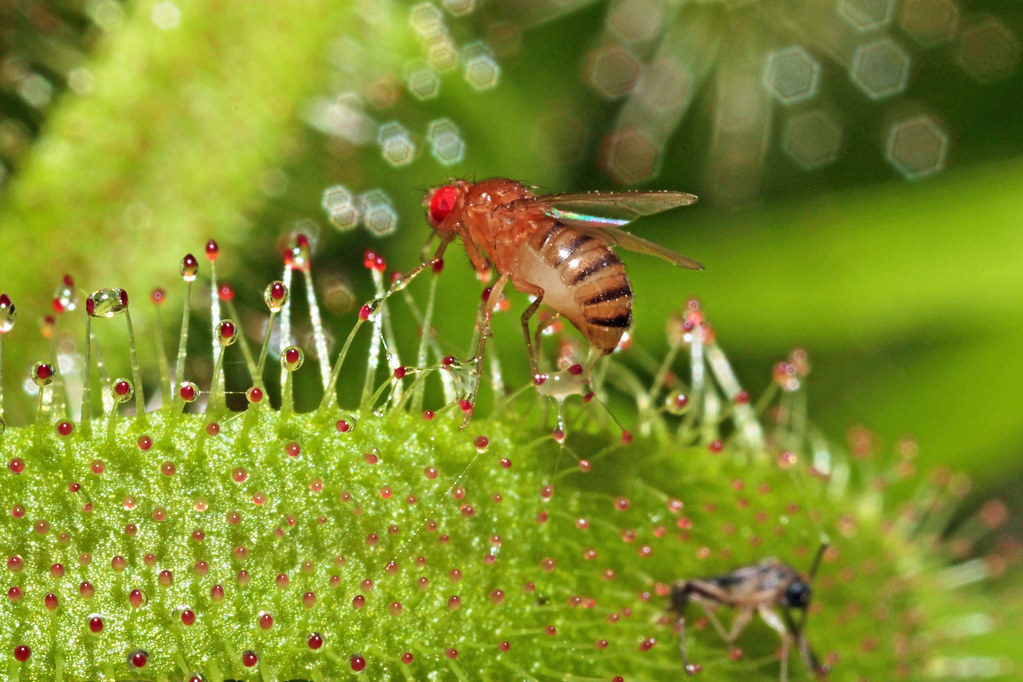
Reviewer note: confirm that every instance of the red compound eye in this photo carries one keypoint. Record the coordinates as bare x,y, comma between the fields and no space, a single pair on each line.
442,203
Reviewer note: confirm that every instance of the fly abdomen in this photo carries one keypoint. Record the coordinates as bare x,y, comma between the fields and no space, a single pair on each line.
594,277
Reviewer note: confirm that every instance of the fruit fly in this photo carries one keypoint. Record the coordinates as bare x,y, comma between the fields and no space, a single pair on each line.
770,588
554,247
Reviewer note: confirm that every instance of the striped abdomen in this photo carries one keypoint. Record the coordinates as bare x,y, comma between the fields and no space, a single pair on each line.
582,279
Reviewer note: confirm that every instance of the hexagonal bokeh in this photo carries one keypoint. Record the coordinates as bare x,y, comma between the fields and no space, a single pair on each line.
929,22
866,15
791,75
378,214
427,19
665,85
635,21
459,7
422,82
447,145
630,156
812,138
612,70
917,146
880,68
396,144
482,71
988,50
342,208
441,54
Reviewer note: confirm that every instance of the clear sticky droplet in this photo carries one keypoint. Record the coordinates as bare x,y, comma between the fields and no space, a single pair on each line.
42,374
106,302
122,390
8,314
275,295
292,358
227,333
189,268
189,391
298,256
64,298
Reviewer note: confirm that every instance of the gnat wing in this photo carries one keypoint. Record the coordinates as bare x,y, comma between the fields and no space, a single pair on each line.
601,215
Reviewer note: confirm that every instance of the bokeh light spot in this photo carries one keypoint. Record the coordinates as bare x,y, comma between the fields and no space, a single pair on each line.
866,15
166,15
446,143
812,138
629,156
396,144
665,86
635,21
427,20
481,69
459,8
929,22
612,70
378,214
917,146
880,68
341,207
441,54
422,82
988,50
792,75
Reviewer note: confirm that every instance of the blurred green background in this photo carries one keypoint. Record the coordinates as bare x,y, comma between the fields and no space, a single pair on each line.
858,162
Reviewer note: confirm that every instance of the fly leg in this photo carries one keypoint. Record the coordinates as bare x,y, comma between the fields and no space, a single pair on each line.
407,278
486,313
531,348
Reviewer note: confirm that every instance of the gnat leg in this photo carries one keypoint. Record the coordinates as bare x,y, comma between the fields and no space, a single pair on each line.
686,665
775,623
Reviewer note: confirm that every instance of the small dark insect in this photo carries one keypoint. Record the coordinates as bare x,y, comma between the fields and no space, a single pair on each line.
555,247
770,588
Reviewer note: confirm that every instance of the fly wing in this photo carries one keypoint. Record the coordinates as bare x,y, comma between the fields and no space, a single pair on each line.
611,208
602,214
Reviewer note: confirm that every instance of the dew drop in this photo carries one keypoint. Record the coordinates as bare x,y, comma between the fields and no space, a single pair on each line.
250,658
407,658
145,442
21,653
357,663
95,624
314,640
65,428
254,394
